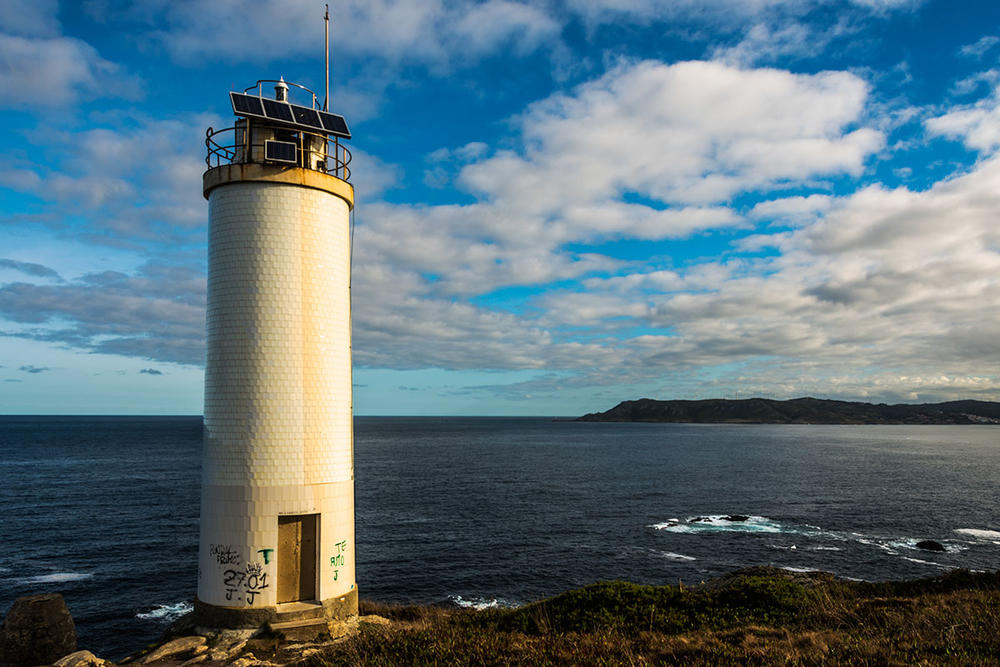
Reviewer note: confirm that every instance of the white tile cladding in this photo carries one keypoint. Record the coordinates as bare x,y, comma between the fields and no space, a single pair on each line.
278,413
278,372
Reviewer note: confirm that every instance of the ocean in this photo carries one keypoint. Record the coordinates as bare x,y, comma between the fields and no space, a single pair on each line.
502,511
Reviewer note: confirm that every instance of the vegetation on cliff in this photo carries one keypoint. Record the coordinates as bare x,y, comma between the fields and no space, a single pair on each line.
754,616
798,411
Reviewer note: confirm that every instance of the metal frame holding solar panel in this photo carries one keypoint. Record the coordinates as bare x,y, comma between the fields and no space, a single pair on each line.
292,115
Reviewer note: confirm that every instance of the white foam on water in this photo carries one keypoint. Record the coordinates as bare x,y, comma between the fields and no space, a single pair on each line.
166,612
55,578
480,604
824,548
789,568
925,562
670,555
718,523
980,534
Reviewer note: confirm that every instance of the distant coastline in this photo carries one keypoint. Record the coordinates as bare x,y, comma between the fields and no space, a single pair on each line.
797,411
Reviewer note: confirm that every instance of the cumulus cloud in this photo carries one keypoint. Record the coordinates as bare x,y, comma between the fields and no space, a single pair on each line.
108,173
977,125
722,12
881,296
70,69
876,294
648,130
39,67
692,133
791,211
422,31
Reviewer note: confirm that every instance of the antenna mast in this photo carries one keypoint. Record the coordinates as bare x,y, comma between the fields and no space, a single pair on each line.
326,100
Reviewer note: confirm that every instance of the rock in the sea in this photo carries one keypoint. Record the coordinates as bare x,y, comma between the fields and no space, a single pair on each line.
930,545
38,630
697,519
736,518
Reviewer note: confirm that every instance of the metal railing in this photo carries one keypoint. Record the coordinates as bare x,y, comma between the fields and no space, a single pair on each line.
313,151
260,90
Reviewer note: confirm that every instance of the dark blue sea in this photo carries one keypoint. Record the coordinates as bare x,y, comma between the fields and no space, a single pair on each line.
501,511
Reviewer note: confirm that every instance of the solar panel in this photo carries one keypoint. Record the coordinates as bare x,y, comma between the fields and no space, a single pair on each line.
280,151
335,124
306,116
247,105
289,114
276,110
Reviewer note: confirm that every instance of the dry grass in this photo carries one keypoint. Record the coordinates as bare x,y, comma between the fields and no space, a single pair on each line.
757,617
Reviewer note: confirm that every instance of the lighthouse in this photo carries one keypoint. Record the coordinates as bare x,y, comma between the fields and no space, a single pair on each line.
277,492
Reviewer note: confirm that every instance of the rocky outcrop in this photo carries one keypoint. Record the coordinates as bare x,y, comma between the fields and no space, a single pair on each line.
182,647
81,659
38,630
930,545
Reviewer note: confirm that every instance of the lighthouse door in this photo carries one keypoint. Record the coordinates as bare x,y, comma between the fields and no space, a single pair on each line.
297,558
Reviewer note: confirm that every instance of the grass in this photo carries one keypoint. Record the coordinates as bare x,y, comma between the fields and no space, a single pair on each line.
756,616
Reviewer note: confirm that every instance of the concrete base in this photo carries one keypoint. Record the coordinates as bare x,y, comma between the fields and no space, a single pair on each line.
342,607
212,616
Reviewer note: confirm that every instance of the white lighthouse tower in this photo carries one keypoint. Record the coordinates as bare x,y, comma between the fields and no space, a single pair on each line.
277,504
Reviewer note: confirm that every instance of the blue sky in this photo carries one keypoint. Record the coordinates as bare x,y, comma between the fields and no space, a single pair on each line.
560,205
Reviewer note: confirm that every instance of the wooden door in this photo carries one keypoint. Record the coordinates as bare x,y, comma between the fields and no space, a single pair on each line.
296,558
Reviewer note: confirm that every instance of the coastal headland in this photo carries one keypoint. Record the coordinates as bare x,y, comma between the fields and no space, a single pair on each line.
804,410
758,615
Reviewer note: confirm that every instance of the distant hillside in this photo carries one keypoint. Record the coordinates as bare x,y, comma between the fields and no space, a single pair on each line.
797,411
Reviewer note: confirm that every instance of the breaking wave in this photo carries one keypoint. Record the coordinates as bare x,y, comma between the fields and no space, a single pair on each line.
721,523
166,612
980,534
481,603
55,578
926,562
805,536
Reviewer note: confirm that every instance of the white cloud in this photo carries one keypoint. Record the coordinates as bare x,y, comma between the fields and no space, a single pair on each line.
762,43
792,211
39,67
109,175
689,133
29,18
657,132
57,71
489,26
976,125
979,48
424,31
720,12
882,296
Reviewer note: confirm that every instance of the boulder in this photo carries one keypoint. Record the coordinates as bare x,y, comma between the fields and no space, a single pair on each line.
38,630
182,647
81,659
930,545
736,518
